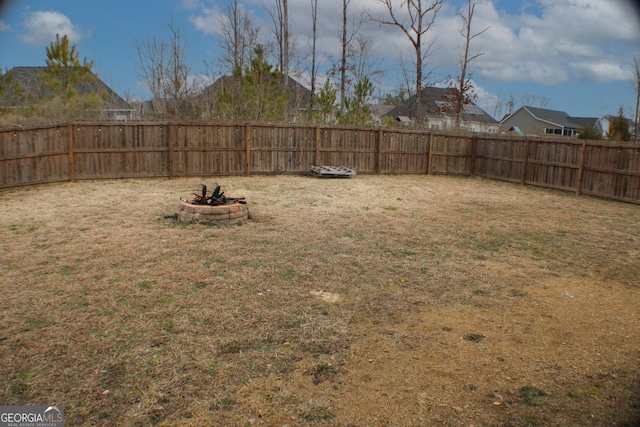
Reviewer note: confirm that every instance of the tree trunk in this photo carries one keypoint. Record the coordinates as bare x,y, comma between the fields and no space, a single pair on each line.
635,135
343,60
285,70
314,17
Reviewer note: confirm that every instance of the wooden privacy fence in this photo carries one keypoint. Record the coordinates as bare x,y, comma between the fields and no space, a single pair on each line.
78,151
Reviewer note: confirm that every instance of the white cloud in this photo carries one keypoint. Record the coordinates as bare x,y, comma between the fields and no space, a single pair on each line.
565,40
525,71
486,100
548,42
41,28
207,21
4,26
602,71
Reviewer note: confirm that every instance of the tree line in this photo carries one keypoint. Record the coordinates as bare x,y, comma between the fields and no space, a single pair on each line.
344,96
255,72
259,66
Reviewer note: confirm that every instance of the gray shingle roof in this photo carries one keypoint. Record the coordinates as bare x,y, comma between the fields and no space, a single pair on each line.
560,118
34,88
431,97
300,95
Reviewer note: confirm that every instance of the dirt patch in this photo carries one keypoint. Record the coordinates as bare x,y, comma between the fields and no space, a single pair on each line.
393,300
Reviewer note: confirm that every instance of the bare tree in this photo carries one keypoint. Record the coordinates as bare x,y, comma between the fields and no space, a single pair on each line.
239,37
415,26
280,18
164,68
407,83
497,109
363,62
152,64
461,91
314,20
347,35
531,100
343,58
635,118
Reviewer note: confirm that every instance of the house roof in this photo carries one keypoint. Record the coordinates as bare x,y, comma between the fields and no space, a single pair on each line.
585,122
432,100
557,118
381,110
301,96
31,83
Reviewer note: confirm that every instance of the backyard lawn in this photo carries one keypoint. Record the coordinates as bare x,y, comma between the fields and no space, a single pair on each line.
372,301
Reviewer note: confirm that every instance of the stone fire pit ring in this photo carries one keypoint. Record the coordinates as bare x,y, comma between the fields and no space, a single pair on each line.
231,214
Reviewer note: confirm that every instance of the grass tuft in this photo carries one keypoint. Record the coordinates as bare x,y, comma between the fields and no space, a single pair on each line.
532,396
316,410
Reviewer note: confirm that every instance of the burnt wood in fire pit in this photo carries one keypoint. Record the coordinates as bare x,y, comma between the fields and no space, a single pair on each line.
217,198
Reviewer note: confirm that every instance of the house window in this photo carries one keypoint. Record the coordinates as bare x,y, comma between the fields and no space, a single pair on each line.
435,126
553,131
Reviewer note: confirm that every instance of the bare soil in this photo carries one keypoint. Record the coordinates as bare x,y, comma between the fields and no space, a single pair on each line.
372,301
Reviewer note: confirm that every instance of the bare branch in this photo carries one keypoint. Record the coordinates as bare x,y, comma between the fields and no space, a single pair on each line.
419,20
461,91
239,37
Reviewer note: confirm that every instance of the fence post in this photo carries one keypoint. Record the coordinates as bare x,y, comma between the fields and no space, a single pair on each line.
583,156
71,156
525,165
247,130
379,152
474,145
430,153
172,135
316,159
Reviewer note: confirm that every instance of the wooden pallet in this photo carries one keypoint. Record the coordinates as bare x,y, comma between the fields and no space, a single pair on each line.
331,172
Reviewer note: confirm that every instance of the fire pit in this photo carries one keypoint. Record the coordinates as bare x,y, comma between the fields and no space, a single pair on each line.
213,209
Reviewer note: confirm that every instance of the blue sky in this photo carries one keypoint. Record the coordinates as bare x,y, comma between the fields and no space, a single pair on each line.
569,55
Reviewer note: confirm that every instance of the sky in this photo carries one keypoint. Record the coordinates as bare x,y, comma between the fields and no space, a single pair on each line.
575,56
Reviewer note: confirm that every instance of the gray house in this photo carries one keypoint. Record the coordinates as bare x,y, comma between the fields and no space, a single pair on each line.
298,104
542,122
606,121
32,90
435,107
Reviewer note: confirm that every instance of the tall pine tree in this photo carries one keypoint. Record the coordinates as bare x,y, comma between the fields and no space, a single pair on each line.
64,70
254,94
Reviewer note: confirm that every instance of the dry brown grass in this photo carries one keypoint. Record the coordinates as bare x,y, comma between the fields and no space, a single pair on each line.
374,301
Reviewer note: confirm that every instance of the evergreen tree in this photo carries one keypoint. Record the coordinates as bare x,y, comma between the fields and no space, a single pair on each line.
357,111
619,128
326,100
254,94
64,70
11,90
590,132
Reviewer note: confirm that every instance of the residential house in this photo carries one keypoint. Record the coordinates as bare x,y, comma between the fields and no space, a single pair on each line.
298,104
437,115
34,90
543,122
605,121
